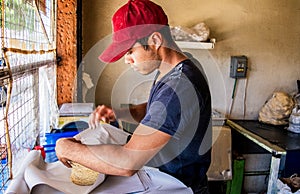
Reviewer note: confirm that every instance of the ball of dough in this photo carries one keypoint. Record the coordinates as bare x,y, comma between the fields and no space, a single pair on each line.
81,175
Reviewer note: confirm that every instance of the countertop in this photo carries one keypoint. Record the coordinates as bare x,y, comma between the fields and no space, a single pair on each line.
277,135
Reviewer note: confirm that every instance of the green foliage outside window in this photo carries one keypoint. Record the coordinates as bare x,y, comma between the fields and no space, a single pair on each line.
15,14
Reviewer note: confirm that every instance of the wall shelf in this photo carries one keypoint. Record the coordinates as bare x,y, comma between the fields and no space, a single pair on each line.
197,45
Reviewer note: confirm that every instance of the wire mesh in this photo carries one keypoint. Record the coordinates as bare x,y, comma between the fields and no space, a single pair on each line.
27,44
4,169
23,116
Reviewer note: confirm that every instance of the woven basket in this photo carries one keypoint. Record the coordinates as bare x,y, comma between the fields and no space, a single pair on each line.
81,175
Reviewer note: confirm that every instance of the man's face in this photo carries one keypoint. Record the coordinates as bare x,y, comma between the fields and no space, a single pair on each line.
141,60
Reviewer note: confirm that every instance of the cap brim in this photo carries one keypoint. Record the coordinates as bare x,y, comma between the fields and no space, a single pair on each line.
115,51
124,39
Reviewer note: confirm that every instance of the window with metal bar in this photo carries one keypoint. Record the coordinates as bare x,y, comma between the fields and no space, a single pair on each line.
27,79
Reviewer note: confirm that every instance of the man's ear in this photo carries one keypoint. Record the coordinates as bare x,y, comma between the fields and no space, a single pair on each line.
155,39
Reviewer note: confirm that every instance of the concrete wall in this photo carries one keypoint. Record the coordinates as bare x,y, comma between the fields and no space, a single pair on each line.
266,31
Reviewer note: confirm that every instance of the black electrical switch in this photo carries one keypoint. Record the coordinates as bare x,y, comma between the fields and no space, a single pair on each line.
238,66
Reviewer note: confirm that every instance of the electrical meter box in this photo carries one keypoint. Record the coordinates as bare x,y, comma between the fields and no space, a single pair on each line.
238,66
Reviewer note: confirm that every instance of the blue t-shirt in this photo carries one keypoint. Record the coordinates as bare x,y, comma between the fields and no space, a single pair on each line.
180,105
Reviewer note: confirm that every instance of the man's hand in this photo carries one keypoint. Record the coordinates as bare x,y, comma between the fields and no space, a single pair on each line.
101,113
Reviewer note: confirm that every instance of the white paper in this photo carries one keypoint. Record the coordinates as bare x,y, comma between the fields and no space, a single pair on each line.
103,134
57,176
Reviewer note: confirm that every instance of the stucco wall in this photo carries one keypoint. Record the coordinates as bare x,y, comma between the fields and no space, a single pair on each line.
66,49
267,32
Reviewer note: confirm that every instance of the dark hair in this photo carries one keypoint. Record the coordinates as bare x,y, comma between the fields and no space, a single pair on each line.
165,32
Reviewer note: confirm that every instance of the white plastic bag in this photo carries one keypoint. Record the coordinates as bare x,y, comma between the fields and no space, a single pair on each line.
277,110
294,120
198,33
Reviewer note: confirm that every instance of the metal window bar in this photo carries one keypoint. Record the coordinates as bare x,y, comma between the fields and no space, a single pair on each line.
28,34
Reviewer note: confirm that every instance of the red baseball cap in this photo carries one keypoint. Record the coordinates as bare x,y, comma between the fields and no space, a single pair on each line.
133,21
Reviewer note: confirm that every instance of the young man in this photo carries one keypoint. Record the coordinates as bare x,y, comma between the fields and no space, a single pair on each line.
174,131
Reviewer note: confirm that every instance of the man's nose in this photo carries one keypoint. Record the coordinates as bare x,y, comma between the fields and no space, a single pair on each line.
128,59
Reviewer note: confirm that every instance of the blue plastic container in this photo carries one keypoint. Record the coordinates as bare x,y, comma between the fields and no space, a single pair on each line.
4,175
50,143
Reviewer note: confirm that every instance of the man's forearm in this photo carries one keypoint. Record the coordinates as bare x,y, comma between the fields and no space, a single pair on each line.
68,150
106,159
